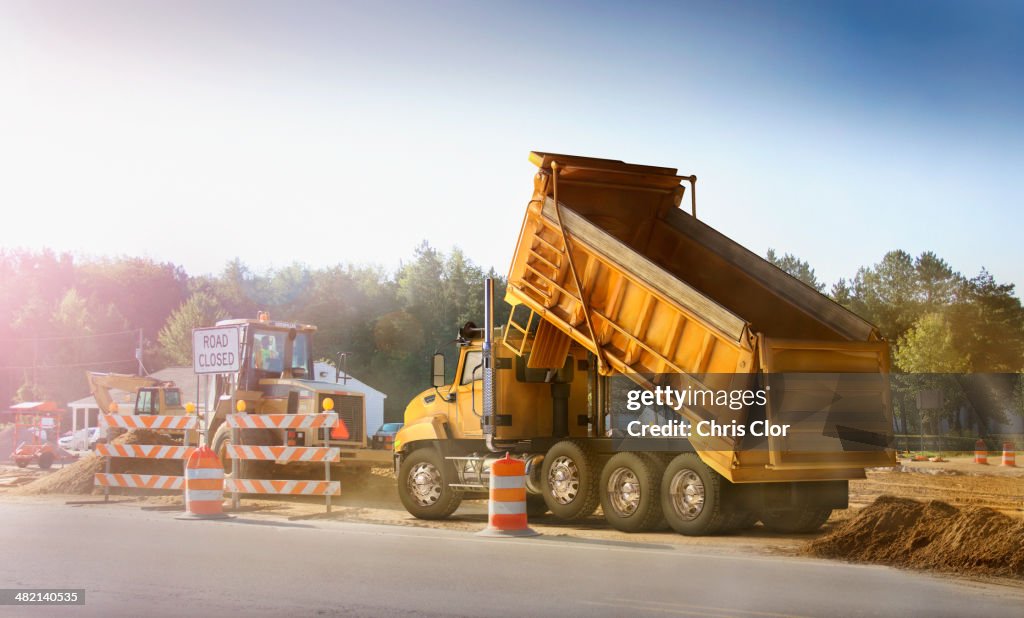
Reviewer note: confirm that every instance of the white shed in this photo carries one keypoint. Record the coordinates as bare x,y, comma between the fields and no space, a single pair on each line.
374,399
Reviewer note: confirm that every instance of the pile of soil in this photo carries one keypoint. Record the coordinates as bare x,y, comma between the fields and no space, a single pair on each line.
929,535
77,478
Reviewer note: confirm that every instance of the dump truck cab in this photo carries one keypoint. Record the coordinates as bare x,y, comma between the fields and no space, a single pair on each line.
454,409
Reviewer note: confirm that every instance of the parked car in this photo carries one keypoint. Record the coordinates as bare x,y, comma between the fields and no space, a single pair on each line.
69,442
384,438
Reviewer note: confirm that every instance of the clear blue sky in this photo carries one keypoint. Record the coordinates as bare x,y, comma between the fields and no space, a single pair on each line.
348,132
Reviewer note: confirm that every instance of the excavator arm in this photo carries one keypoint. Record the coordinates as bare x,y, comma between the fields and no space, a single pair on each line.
100,385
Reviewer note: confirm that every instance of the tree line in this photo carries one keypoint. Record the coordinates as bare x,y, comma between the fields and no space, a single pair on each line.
942,325
60,315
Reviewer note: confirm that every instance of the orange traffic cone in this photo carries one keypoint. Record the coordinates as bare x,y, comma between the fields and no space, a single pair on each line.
204,485
1009,455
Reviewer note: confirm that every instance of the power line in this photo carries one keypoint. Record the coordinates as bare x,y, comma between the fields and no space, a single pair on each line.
106,362
93,336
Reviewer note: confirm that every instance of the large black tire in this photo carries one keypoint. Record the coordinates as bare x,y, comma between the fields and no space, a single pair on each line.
45,461
795,521
692,497
423,485
21,462
569,480
630,486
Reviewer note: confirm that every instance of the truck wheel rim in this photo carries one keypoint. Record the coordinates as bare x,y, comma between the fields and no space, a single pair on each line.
425,484
687,493
624,492
564,479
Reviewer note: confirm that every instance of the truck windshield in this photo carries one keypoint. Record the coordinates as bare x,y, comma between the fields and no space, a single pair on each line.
268,348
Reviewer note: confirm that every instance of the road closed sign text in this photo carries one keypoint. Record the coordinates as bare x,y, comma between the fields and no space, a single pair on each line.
215,350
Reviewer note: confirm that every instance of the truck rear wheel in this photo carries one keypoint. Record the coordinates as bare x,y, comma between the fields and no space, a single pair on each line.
630,483
691,497
423,485
795,521
569,481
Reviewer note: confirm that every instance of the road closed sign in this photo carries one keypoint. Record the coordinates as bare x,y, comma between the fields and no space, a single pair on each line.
215,350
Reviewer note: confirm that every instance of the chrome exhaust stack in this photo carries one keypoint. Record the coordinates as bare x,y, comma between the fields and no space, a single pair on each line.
489,421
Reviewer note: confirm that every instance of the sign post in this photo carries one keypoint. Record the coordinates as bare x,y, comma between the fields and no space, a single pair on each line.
214,350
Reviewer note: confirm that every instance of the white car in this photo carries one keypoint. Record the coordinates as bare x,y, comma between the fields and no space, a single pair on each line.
80,440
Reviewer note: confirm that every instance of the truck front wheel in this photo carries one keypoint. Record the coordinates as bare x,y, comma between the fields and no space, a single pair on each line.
569,481
691,497
423,485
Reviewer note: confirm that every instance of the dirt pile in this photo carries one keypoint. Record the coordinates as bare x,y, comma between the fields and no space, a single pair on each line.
928,535
77,478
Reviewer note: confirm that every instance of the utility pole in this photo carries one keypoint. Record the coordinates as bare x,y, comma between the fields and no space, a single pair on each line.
138,355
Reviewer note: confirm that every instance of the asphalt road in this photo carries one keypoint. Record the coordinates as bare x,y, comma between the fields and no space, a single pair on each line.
144,563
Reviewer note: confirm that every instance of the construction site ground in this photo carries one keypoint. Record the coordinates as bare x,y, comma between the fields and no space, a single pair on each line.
369,496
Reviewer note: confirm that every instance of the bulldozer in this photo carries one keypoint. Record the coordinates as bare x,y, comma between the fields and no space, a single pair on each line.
275,376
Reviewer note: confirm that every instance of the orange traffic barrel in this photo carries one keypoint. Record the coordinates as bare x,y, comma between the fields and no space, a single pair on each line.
980,452
1009,455
204,485
506,508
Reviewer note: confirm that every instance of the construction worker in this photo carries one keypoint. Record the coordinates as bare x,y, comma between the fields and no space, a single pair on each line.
266,354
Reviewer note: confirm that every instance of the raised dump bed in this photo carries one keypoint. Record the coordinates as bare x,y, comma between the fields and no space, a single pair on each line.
661,297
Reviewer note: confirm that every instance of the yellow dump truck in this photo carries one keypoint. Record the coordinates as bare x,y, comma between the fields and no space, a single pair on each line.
653,366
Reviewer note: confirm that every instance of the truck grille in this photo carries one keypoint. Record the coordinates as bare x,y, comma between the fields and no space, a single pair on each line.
350,412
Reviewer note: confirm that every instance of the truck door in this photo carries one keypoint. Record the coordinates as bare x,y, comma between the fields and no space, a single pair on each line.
468,388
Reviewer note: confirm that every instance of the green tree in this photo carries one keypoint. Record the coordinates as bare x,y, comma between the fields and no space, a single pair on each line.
928,347
988,324
796,267
930,360
145,292
175,338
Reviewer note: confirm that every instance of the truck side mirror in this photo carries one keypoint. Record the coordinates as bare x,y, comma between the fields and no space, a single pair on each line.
438,370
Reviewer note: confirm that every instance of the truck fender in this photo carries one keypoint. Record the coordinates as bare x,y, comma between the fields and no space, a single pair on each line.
430,428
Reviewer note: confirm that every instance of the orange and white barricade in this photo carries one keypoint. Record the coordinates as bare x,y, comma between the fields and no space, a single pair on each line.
144,451
1009,454
301,454
980,452
506,508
